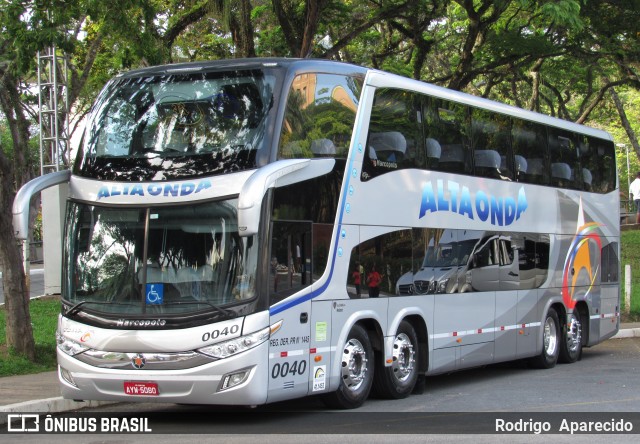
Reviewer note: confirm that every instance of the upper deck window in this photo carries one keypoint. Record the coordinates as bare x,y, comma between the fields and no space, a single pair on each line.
319,118
177,126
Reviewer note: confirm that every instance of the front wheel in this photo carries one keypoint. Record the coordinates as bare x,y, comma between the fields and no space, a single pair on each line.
356,372
550,342
571,346
398,380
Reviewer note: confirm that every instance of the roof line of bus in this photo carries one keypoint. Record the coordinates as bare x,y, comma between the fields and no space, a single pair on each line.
375,78
247,63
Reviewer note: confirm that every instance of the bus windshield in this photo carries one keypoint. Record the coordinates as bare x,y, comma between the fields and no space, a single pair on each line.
165,260
176,126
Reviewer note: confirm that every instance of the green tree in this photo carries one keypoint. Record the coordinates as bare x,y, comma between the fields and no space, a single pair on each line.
18,43
27,27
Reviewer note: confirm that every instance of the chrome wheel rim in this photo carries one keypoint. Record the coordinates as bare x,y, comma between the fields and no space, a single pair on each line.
354,365
574,334
550,337
403,357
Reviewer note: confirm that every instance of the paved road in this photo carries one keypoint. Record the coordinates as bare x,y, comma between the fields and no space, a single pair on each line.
37,284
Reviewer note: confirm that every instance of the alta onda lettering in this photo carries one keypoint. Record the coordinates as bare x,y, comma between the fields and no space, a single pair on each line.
166,190
452,197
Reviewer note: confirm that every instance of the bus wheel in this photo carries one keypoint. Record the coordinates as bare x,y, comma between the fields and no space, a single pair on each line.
571,346
398,380
550,342
356,372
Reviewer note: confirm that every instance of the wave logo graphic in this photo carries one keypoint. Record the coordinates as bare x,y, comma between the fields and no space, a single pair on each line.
579,259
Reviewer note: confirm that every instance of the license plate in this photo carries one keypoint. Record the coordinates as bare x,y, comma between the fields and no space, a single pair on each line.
141,388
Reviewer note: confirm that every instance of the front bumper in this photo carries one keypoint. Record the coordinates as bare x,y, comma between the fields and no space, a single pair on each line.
197,385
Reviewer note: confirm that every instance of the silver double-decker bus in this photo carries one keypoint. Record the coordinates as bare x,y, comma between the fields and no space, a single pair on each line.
249,231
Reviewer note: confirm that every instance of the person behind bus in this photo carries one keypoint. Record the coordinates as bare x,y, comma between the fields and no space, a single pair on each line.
373,281
634,193
357,278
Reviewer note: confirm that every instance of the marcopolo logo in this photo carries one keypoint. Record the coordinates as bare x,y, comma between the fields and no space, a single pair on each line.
141,323
154,189
450,196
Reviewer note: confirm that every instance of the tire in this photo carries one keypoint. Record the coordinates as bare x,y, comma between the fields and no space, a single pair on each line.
399,380
551,339
356,377
571,345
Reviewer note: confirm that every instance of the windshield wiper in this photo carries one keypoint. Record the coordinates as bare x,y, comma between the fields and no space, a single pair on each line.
76,307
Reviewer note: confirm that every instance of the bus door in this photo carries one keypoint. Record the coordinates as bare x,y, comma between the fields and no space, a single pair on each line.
290,273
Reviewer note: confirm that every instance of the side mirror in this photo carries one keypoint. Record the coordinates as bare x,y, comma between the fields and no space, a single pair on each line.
21,202
277,174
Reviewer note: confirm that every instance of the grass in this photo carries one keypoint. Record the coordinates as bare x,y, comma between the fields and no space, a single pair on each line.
630,252
44,320
44,317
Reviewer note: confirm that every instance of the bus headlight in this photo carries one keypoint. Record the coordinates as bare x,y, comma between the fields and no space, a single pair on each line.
68,346
237,345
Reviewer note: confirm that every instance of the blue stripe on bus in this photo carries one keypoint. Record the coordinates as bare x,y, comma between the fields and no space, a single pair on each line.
304,298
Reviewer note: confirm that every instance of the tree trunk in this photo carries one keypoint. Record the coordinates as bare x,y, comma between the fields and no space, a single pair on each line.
285,22
298,30
310,27
16,294
242,30
625,121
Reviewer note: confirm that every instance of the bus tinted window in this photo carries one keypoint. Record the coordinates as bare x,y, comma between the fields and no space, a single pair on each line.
395,133
436,261
185,259
378,263
319,116
530,152
447,138
491,145
176,126
563,159
609,263
599,165
411,130
290,265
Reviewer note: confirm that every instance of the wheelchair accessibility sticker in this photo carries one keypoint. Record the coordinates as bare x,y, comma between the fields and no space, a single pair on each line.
155,294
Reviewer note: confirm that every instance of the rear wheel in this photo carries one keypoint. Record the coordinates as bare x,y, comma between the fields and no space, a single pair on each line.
398,380
550,342
571,345
356,372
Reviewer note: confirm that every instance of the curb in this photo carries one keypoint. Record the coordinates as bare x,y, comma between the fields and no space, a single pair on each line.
49,405
627,333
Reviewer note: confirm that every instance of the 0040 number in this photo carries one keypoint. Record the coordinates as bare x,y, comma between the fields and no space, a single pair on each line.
288,369
224,332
